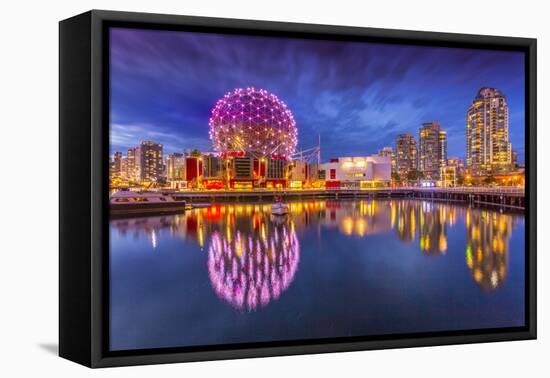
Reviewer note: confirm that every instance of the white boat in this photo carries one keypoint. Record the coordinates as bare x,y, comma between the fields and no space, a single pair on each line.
280,208
126,203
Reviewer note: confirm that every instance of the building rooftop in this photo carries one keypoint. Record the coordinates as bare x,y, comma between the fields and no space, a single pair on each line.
487,92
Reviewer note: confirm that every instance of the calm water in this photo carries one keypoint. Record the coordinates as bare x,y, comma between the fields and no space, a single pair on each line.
233,273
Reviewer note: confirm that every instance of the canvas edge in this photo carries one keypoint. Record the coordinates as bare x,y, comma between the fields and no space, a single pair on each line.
97,203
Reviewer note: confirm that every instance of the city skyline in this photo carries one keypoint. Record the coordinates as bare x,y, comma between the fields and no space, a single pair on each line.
164,85
254,137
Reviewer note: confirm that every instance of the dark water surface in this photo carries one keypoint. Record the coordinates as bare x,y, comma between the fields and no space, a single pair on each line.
232,273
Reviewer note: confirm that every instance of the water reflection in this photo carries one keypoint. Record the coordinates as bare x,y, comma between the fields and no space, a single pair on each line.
488,234
251,269
253,258
404,218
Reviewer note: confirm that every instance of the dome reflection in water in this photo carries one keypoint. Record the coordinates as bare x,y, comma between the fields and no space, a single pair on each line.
250,270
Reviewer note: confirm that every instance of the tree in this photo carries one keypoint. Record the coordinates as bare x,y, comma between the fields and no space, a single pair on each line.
195,153
490,179
395,176
414,175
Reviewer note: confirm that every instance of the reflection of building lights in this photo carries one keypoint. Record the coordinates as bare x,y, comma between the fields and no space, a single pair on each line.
239,245
442,243
413,224
347,225
251,272
296,208
487,248
425,243
200,236
478,275
469,258
262,231
360,226
494,279
476,233
228,233
368,208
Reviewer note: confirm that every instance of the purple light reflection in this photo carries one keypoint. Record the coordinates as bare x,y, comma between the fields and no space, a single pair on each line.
249,272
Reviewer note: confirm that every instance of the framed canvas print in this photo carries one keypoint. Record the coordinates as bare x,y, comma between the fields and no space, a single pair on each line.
233,188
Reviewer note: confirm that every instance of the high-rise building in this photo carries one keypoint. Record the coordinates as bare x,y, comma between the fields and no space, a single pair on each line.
124,168
117,164
149,161
138,167
458,164
175,166
488,148
111,168
452,174
514,159
385,151
442,148
131,164
406,154
432,150
388,152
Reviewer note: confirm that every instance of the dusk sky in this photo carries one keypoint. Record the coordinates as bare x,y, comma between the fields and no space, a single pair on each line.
357,96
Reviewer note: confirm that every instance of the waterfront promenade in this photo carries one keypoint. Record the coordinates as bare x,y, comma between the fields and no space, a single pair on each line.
509,197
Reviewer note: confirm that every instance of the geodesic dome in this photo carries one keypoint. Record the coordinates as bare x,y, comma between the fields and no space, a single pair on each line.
255,121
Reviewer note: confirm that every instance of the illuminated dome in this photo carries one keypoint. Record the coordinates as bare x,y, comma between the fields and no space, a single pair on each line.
250,271
255,121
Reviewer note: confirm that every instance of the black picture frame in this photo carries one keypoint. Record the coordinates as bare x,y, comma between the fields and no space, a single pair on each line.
83,199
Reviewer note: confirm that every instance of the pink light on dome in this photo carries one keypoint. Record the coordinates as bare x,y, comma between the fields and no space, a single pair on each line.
250,271
262,115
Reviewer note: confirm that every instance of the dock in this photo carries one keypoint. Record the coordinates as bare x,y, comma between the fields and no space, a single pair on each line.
508,197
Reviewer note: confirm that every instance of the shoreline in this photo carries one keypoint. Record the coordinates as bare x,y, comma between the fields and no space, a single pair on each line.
266,201
507,197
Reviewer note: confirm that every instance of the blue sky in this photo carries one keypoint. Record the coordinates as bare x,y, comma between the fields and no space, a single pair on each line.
357,96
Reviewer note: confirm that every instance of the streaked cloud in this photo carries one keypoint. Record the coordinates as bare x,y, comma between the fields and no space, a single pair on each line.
356,96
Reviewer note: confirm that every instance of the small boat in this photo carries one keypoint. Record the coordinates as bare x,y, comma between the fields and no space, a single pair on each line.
128,203
279,207
191,206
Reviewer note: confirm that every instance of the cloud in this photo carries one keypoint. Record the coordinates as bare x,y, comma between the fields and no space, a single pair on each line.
123,136
329,104
357,96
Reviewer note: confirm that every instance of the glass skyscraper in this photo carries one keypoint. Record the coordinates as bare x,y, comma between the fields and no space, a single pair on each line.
488,148
432,150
